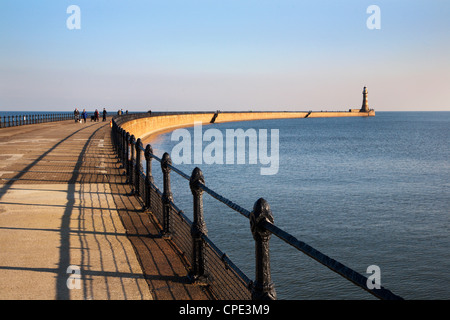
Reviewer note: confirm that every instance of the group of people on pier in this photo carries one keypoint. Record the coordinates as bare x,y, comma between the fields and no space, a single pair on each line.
84,115
120,112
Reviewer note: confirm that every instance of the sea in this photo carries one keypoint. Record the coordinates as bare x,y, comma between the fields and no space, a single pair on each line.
364,191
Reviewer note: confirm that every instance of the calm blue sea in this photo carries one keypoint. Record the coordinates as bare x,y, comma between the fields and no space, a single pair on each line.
364,191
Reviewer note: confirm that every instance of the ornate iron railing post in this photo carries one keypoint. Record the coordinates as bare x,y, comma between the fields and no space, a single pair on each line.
127,153
138,165
116,130
148,176
119,142
198,228
167,196
115,134
124,148
131,171
263,288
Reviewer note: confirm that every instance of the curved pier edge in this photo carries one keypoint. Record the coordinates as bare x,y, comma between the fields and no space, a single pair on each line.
147,125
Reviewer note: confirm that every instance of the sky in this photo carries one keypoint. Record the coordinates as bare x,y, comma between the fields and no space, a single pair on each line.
230,55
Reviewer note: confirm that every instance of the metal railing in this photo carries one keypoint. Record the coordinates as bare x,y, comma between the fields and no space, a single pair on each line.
25,119
208,264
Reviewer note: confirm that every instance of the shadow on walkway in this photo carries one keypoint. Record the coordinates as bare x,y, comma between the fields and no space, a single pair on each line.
66,203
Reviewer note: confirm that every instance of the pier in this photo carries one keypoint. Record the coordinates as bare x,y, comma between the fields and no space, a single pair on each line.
82,219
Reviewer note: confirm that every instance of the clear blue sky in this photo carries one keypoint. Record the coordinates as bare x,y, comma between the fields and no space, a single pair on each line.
224,54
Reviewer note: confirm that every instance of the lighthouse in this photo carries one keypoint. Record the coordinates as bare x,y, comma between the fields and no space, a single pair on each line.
365,104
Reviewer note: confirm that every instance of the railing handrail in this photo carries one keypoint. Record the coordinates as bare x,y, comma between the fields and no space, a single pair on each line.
325,260
334,265
21,119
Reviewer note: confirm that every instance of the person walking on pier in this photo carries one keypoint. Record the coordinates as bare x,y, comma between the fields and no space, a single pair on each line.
104,114
76,115
84,115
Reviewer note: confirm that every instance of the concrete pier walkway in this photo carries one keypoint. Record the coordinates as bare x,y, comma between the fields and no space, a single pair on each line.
64,204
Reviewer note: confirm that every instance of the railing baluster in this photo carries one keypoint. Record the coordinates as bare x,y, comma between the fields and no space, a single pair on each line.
125,149
167,197
131,165
127,155
263,288
148,177
120,142
198,228
138,166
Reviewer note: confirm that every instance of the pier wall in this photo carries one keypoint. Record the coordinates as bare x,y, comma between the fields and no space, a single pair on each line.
147,127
